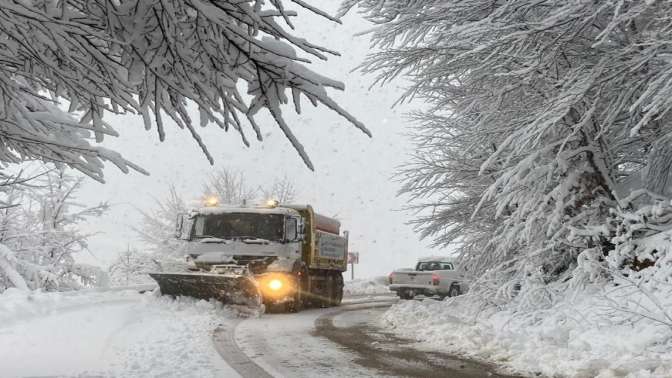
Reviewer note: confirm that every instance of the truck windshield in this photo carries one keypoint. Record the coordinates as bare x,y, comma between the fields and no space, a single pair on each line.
239,225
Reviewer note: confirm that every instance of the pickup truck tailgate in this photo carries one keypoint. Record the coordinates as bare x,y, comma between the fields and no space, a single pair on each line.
411,278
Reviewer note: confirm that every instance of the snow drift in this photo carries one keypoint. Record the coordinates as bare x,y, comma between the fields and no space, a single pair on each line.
366,286
121,334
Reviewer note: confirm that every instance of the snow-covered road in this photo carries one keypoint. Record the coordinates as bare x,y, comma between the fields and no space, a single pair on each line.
345,341
128,334
120,334
284,345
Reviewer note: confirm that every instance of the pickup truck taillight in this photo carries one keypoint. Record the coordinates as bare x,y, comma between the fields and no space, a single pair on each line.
436,280
390,278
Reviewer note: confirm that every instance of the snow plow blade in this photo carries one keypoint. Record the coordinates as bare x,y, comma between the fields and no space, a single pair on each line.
240,290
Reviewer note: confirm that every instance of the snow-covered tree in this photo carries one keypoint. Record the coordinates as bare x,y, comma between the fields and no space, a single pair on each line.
281,190
157,229
541,118
232,187
229,187
131,268
151,58
40,238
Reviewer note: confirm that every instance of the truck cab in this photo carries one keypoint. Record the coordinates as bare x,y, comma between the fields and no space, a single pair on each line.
264,239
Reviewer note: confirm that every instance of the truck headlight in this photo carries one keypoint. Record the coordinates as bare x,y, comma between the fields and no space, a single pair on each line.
275,284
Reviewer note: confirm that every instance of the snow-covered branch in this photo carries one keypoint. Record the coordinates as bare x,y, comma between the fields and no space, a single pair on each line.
542,117
152,58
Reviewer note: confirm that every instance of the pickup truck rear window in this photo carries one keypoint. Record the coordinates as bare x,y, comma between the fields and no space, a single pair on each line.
433,265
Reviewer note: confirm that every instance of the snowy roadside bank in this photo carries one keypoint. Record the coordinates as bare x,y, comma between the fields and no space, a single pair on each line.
109,334
567,340
366,286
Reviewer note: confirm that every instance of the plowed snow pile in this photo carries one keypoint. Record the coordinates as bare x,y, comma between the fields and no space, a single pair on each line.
585,337
367,286
120,334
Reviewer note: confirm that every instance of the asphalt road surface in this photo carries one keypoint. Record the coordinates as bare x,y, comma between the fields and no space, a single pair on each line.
344,341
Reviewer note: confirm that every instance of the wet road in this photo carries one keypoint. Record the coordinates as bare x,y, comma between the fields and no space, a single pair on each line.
345,341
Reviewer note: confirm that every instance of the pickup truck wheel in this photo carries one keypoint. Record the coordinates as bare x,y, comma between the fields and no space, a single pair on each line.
406,294
454,291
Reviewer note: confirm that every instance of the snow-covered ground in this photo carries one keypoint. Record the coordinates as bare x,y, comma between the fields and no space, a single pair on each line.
366,286
120,334
580,338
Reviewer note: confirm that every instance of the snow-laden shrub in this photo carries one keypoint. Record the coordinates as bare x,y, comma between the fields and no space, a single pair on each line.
39,235
541,119
131,268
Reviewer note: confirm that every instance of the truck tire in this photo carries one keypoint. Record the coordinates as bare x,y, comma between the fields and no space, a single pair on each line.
328,299
454,290
277,308
297,304
335,288
338,292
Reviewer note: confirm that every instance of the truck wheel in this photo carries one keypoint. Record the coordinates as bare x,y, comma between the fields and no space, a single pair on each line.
454,291
296,305
330,294
338,290
299,298
277,308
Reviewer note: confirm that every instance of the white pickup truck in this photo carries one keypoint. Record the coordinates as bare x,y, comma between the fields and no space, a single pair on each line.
432,277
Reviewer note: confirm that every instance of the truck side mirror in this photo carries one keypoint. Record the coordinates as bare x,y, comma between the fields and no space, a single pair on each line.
300,230
183,226
291,229
178,226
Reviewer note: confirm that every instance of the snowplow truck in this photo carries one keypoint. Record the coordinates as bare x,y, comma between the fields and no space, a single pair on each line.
283,256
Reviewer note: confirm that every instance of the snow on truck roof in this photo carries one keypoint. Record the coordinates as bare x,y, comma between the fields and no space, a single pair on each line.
437,258
231,209
322,222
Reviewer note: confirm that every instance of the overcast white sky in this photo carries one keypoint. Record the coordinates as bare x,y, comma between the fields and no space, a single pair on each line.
353,178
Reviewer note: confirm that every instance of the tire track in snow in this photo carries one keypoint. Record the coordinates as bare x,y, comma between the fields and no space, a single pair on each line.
225,344
390,355
283,344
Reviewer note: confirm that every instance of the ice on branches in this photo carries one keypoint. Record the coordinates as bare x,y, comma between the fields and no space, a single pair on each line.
543,117
39,233
147,57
